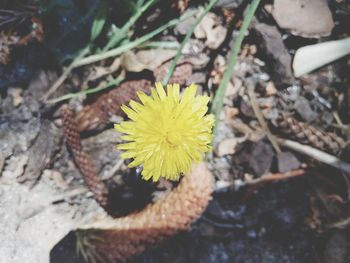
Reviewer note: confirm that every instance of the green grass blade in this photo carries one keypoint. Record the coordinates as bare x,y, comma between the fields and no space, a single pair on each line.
120,34
113,82
183,43
119,50
219,95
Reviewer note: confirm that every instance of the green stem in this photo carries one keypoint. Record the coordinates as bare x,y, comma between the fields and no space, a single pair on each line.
183,43
119,50
113,82
119,35
219,95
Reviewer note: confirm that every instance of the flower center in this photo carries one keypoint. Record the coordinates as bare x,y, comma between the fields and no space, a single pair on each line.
173,138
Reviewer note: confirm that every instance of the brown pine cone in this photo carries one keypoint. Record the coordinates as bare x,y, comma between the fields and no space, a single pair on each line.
83,161
116,240
98,113
308,134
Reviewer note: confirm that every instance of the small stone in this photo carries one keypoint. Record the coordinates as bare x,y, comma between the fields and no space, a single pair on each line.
270,89
287,162
226,146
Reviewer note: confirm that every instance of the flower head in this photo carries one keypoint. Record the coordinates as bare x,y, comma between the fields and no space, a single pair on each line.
167,132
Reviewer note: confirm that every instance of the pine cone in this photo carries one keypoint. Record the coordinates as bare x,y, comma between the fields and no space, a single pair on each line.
307,134
98,113
116,240
83,161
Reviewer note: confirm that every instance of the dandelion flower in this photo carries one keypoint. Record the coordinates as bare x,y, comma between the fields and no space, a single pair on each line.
166,132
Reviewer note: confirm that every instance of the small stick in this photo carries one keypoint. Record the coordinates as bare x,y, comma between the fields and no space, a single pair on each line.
260,116
316,154
259,182
276,177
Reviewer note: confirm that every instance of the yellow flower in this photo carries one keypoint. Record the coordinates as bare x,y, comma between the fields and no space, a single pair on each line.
167,133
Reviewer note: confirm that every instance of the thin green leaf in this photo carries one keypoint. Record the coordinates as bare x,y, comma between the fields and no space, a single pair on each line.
99,21
68,96
219,95
187,37
119,35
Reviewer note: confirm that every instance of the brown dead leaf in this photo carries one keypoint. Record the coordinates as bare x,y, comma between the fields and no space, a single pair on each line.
307,18
130,62
228,146
146,59
99,72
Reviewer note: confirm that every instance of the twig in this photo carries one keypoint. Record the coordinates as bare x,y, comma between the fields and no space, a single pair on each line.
69,194
340,224
185,40
260,116
219,95
276,177
259,182
316,154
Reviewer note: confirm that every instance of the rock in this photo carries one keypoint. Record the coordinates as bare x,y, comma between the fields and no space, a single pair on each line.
226,146
229,3
257,157
276,54
302,106
146,59
307,18
287,162
261,157
42,151
183,26
213,32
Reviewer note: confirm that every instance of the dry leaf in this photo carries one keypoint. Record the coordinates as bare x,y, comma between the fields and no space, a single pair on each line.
308,18
226,146
99,72
146,59
130,62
